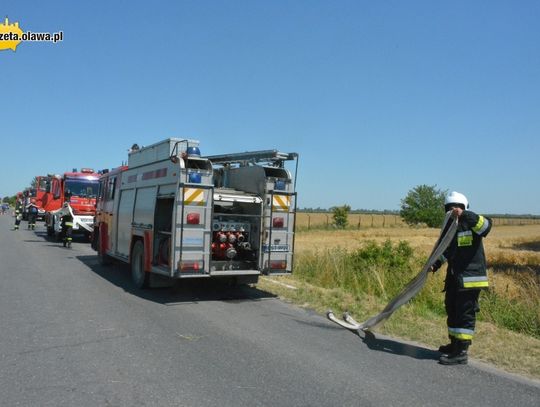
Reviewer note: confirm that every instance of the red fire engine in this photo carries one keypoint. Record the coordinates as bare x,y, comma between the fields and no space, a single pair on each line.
35,195
79,190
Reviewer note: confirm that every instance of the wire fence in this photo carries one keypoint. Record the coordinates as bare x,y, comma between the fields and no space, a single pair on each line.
324,220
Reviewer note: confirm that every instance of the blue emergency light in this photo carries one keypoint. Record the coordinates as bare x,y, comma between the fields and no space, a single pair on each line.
279,185
195,177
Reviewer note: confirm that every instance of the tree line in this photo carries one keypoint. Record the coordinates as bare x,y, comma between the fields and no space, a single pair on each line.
423,204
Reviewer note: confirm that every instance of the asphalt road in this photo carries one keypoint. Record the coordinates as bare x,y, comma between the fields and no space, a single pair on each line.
73,333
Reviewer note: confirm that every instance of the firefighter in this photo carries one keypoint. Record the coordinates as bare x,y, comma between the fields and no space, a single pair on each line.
67,227
18,213
32,211
466,276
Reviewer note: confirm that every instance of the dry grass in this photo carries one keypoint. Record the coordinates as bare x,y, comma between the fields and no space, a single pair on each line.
514,247
513,254
506,246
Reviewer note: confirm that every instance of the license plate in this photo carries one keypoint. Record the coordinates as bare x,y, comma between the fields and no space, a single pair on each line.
276,248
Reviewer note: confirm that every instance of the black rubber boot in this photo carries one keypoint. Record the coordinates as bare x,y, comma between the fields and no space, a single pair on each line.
449,348
458,356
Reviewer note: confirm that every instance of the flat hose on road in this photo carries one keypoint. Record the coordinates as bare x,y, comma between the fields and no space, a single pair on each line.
413,287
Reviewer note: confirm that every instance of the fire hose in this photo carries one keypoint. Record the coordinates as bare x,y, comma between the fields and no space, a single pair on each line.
411,289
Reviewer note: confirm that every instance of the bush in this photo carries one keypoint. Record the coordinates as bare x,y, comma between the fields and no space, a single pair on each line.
380,270
423,204
341,216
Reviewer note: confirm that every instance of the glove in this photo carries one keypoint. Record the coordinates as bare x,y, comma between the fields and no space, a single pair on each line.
436,266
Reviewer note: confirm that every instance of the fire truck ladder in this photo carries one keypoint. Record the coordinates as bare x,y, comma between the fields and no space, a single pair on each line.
273,157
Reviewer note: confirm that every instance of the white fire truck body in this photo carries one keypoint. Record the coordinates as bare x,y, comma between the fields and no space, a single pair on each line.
169,212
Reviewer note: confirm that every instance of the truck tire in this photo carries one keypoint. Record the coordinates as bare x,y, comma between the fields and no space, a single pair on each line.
50,230
94,242
138,275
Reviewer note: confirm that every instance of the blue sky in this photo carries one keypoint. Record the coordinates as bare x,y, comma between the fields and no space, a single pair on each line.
377,97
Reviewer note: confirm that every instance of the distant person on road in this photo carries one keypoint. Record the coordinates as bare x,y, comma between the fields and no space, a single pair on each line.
466,275
32,211
18,213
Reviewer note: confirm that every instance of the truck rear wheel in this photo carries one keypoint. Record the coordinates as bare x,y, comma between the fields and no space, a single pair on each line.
138,275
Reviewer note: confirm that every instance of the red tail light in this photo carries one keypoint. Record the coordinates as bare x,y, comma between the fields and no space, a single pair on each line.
278,265
278,222
190,266
193,218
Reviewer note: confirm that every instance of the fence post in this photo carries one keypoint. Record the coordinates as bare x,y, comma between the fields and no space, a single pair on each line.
359,221
327,225
383,221
371,220
308,222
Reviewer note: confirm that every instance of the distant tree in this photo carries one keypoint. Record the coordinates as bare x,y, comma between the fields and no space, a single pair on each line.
341,216
423,204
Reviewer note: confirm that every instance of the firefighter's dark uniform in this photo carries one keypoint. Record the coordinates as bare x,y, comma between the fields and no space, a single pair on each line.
465,277
67,227
18,214
32,216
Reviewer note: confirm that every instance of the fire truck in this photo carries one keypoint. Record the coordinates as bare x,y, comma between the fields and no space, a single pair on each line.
34,195
173,214
75,193
41,191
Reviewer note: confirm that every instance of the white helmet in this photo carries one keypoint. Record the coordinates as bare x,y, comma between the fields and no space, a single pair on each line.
456,198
